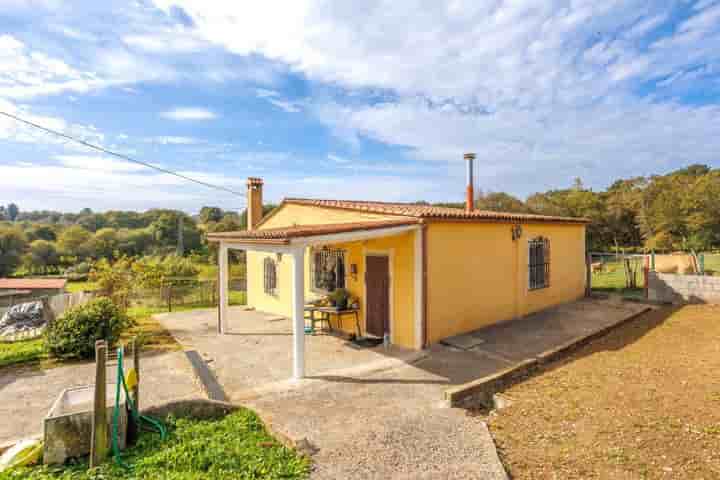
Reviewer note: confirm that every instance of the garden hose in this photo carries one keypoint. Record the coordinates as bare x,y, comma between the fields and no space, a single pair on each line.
152,422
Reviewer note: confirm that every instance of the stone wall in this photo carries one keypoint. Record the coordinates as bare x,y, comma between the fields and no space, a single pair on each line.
676,288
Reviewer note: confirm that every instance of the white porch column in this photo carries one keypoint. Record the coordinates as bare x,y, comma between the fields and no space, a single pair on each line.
298,312
223,288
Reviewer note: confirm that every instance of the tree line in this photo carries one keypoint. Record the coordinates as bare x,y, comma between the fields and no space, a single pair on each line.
48,242
676,211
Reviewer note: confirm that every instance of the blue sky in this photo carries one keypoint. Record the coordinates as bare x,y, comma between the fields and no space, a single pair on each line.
367,100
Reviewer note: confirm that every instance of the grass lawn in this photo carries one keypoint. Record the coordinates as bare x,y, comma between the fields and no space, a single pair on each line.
149,331
21,352
72,287
712,262
642,402
612,280
234,447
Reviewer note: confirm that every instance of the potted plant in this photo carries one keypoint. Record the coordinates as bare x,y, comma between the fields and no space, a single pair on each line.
339,298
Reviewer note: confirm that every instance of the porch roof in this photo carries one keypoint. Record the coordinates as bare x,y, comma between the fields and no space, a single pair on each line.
284,236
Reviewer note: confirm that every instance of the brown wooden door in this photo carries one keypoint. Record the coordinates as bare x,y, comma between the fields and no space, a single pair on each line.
377,286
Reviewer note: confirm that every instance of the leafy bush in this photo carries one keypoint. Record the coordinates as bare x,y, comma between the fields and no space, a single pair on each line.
114,280
74,334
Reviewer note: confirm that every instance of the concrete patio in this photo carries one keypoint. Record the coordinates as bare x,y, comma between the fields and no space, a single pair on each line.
256,351
379,413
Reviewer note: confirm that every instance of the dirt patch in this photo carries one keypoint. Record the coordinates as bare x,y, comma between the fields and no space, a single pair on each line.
642,402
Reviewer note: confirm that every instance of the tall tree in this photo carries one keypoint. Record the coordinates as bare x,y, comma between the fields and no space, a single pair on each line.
12,246
12,211
210,214
42,255
73,241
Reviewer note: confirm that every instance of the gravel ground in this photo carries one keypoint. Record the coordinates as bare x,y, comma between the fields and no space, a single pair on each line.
642,402
390,425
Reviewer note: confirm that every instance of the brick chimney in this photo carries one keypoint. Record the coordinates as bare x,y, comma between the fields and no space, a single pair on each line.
470,193
254,202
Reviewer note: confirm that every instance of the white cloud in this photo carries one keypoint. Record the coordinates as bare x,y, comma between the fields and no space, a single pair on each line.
547,148
15,131
285,105
174,140
25,73
273,97
76,183
189,113
167,41
646,25
337,158
266,93
100,163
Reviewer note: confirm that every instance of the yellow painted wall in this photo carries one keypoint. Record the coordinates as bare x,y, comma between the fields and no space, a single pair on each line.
478,276
291,214
399,247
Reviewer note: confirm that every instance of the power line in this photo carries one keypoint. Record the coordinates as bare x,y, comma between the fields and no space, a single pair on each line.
119,155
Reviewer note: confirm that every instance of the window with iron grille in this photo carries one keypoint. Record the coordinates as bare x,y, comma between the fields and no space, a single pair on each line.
539,263
269,276
327,269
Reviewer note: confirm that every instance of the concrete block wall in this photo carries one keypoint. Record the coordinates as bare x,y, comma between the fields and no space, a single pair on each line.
676,288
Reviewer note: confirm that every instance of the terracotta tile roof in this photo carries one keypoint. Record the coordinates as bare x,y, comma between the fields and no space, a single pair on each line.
429,211
283,236
32,283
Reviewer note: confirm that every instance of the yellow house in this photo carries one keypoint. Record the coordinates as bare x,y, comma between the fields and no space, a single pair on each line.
417,273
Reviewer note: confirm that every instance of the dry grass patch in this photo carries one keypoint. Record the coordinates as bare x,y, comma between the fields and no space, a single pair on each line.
642,402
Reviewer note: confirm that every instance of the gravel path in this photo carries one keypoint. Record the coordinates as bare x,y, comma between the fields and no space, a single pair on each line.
390,425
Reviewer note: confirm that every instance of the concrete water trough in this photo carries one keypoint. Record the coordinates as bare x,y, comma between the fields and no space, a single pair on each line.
68,425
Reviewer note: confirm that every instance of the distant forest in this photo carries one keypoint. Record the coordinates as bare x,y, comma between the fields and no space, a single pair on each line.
679,210
47,242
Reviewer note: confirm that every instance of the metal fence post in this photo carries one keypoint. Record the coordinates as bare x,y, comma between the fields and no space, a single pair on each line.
588,274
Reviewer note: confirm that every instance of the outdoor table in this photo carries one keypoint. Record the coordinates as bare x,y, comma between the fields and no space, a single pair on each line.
326,312
340,312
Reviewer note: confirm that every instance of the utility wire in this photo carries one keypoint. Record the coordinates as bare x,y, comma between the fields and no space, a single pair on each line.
119,155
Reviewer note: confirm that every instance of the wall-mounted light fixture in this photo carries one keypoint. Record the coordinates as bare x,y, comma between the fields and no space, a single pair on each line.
516,232
278,257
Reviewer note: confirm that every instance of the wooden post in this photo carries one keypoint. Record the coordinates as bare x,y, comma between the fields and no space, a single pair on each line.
99,436
646,276
588,274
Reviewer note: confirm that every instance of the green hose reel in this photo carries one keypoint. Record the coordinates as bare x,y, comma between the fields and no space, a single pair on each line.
150,422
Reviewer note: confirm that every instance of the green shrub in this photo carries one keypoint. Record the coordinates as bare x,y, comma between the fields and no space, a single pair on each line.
74,334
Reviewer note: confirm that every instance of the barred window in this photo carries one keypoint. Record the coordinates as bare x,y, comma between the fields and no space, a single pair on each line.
539,263
327,269
269,276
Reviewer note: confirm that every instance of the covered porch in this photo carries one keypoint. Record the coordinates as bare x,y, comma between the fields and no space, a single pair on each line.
382,269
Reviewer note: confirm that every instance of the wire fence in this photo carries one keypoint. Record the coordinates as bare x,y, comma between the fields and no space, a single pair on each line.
184,292
625,273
